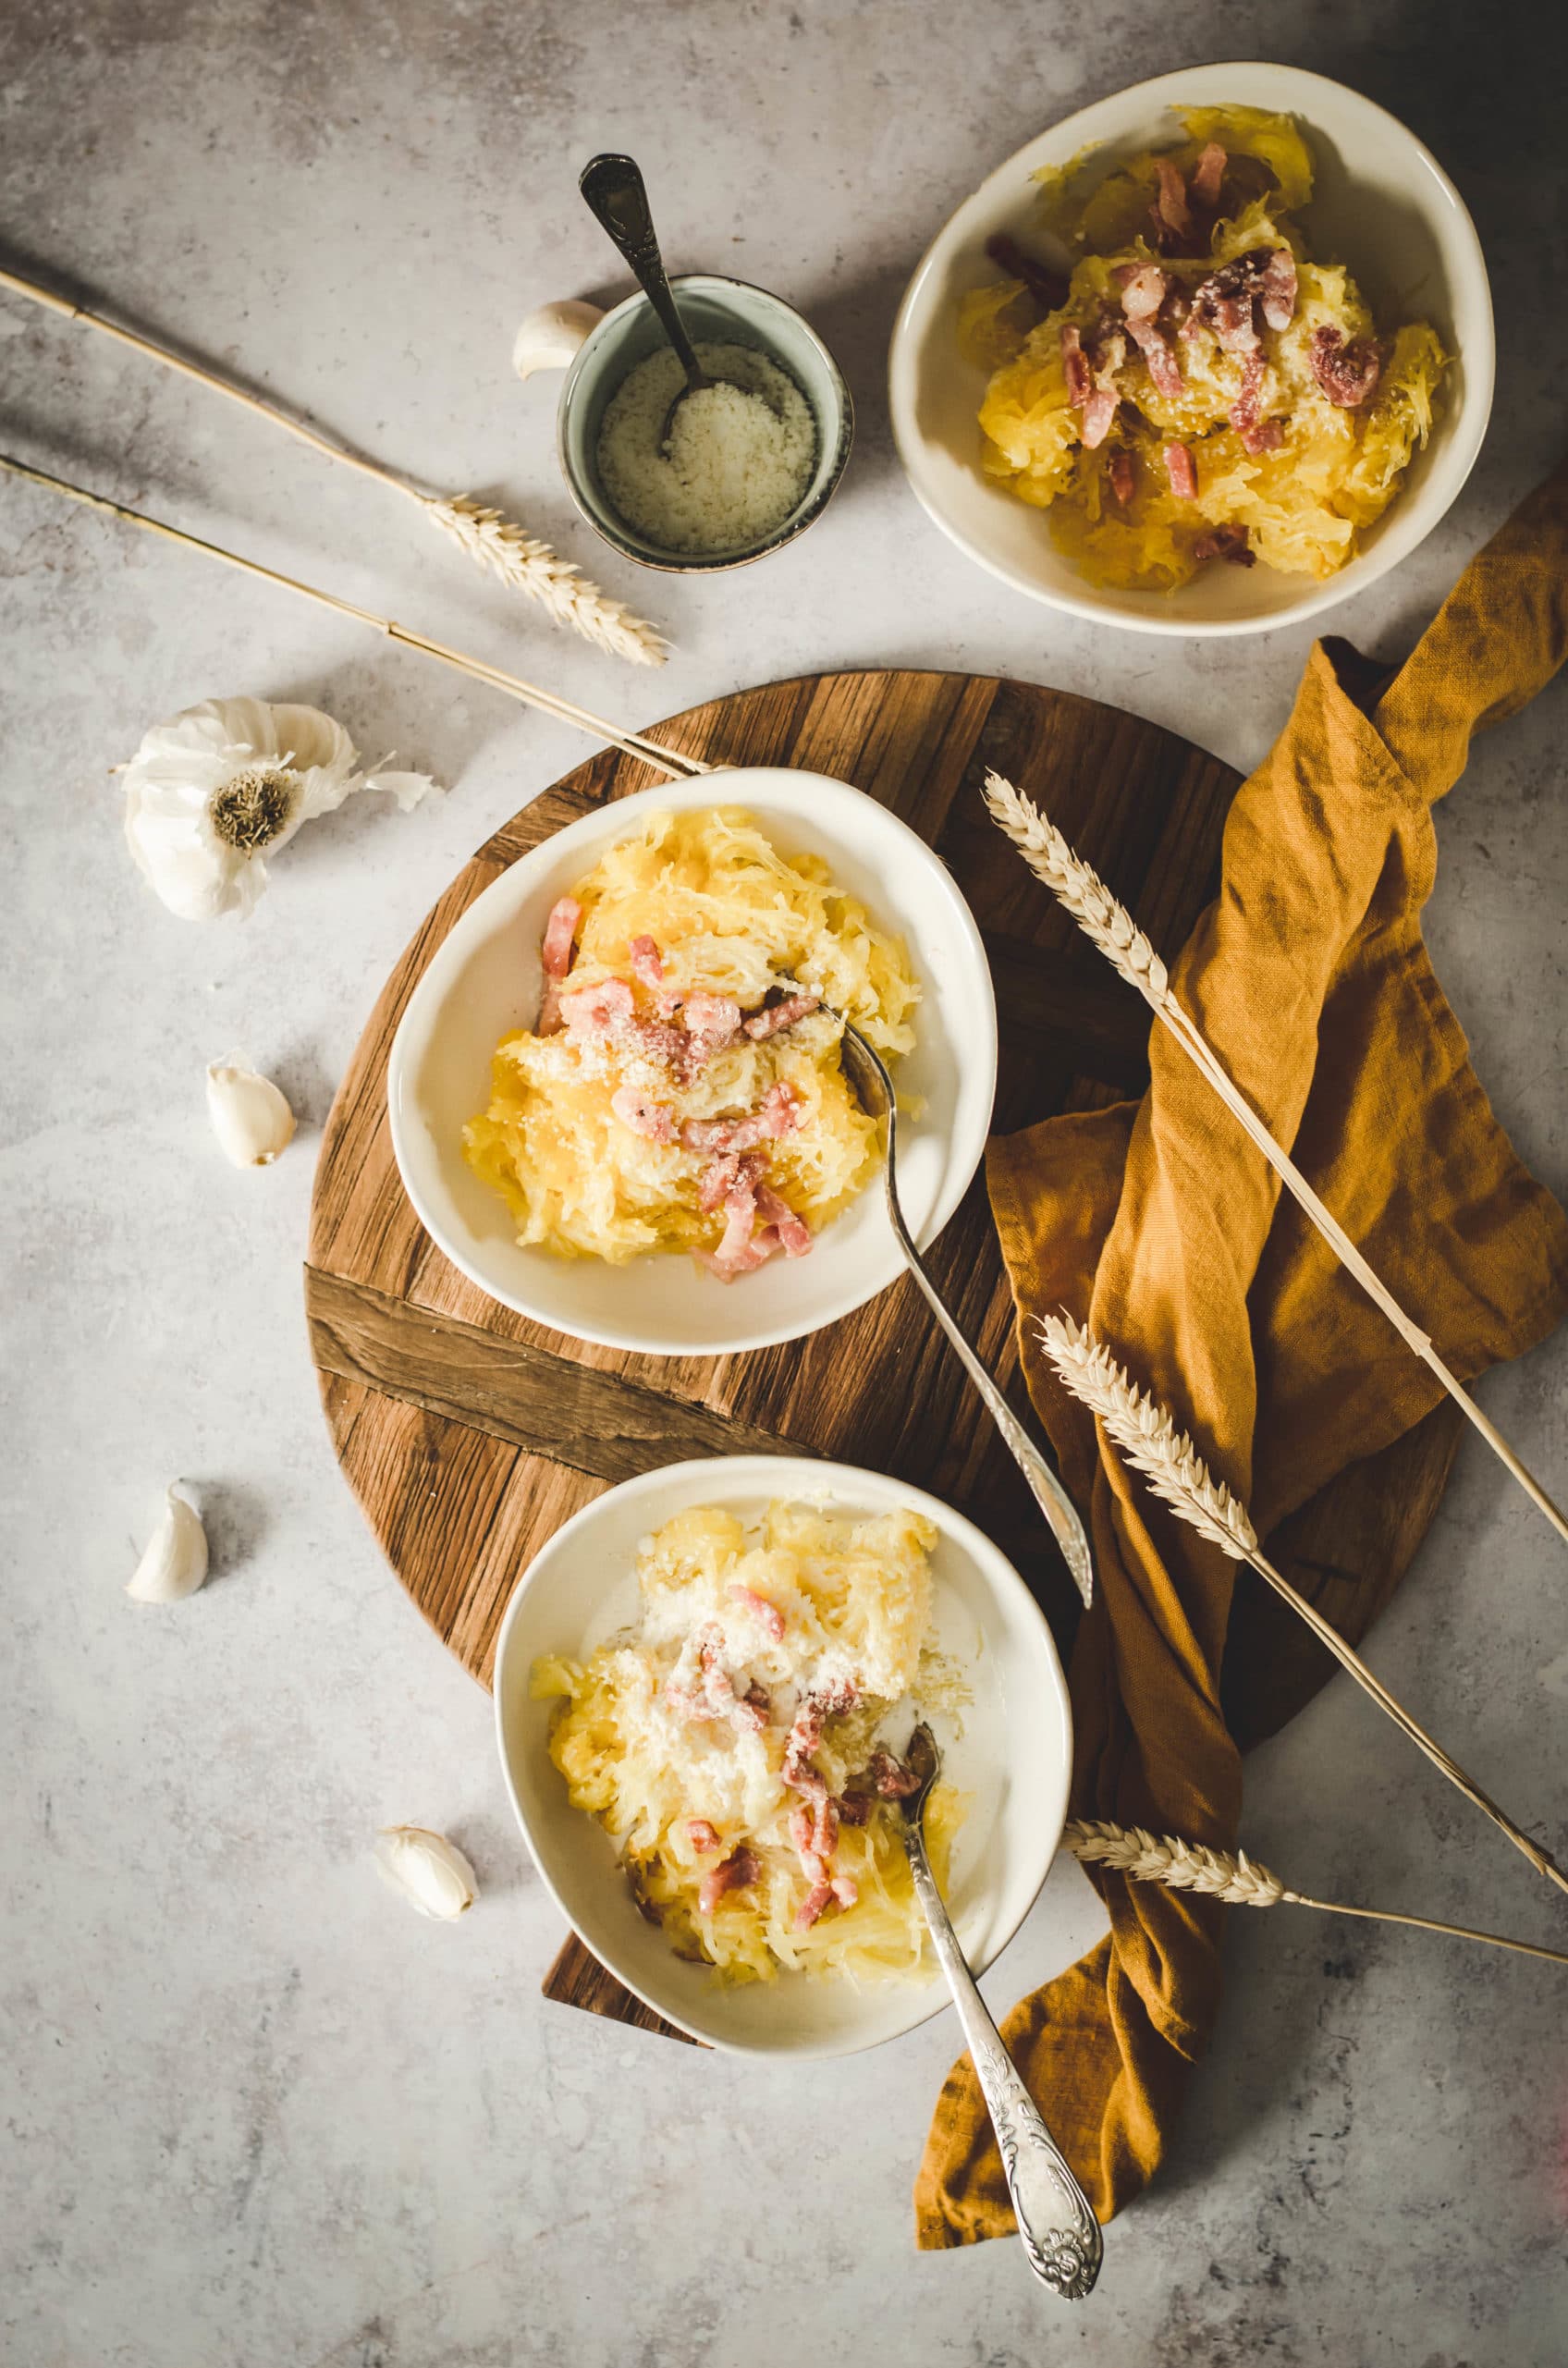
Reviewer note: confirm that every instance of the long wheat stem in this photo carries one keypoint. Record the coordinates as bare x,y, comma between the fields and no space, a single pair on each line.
667,760
1192,1866
492,541
1111,928
1149,1442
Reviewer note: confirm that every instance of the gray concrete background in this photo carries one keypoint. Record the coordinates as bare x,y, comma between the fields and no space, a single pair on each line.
256,2115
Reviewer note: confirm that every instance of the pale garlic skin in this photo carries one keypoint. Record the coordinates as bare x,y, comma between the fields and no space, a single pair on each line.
220,787
174,1562
553,334
250,1116
427,1870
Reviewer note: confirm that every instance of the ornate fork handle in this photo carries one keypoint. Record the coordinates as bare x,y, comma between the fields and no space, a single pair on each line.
1060,2232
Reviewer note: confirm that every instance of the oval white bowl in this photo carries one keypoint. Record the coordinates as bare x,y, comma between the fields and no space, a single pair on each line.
1014,1755
1382,204
485,980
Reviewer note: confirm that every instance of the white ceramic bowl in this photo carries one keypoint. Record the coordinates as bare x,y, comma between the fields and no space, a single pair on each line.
1382,204
1014,1755
485,979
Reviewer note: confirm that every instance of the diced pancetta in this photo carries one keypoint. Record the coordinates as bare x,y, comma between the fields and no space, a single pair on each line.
596,1011
1165,371
1075,370
1277,289
712,1023
735,1873
1144,290
643,1116
767,1615
845,1890
778,1113
1098,413
891,1778
854,1808
817,1899
560,935
722,1176
1171,209
1183,474
1207,174
794,1233
647,962
1123,477
701,1834
1347,373
783,1014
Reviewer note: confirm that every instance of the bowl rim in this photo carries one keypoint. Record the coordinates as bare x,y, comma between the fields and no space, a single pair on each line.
702,789
775,1475
797,521
1480,368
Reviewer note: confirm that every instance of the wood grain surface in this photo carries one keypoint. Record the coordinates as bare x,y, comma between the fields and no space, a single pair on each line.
470,1434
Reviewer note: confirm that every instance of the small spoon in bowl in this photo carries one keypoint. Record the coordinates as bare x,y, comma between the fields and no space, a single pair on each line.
872,1088
1056,2221
616,197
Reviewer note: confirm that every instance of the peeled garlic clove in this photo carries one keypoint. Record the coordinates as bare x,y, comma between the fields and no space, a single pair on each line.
431,1872
250,1117
175,1562
550,336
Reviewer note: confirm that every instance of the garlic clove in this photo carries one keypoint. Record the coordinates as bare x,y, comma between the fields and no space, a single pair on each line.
429,1872
175,1562
550,336
250,1117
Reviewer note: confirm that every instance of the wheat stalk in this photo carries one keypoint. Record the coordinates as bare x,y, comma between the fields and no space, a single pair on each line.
1077,886
667,760
1238,1880
489,539
1150,1442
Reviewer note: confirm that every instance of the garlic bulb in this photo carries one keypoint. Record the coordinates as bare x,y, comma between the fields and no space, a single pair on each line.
431,1872
175,1562
550,336
251,1116
207,793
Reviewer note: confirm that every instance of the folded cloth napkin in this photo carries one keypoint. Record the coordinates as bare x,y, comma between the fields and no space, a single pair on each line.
1161,1225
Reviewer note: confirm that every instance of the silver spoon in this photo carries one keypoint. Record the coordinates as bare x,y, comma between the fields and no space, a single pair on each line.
872,1088
1056,2221
614,190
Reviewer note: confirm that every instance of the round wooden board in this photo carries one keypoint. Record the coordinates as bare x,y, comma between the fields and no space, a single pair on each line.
468,1434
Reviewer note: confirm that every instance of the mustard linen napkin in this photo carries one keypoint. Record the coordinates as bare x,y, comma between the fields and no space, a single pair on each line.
1161,1225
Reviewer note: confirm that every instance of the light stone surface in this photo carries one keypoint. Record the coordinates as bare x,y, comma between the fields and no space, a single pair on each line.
256,2115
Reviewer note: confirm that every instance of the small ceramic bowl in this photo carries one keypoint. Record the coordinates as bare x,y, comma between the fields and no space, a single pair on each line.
1012,1753
1381,203
716,311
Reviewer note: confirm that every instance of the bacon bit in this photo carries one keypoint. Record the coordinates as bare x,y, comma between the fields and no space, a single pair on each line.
701,1834
1347,373
1144,290
1123,478
1226,543
854,1808
794,1233
1277,289
712,1023
724,1174
1223,301
1165,371
891,1778
767,1615
800,1829
1074,368
1170,210
776,1016
595,1010
1257,435
647,962
812,1906
560,935
825,1828
1179,467
757,1697
1266,437
641,1116
745,1260
1098,413
738,1870
1048,287
717,1690
845,1890
778,1113
1207,174
550,1020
